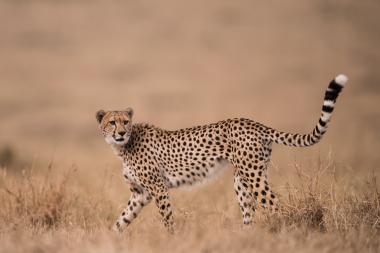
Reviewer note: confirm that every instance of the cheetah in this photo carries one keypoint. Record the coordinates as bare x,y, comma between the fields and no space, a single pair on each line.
156,160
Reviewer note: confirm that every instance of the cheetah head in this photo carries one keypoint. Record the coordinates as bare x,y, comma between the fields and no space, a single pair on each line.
116,126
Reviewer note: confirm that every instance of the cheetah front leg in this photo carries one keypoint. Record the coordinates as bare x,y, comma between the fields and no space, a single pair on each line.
161,195
139,198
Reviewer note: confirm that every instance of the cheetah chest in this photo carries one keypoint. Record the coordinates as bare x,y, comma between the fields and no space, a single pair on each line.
129,174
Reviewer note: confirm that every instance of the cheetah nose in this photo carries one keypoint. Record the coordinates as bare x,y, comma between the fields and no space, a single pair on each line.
121,133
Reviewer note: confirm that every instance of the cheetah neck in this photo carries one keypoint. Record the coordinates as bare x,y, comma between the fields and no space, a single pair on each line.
118,150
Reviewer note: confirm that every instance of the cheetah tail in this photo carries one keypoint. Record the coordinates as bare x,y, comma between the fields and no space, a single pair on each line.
304,140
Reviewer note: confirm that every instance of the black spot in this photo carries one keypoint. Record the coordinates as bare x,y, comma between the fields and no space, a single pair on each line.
322,123
327,108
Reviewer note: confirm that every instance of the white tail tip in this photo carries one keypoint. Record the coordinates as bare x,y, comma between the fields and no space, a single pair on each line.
341,79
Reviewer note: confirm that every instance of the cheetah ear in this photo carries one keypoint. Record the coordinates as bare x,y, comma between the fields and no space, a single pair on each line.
99,115
129,112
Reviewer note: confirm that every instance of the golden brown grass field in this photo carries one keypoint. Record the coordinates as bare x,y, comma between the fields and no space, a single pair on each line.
180,64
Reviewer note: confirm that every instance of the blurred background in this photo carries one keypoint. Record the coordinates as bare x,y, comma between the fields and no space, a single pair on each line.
185,63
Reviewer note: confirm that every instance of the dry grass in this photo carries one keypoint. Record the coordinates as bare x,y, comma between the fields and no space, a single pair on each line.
319,213
43,203
328,205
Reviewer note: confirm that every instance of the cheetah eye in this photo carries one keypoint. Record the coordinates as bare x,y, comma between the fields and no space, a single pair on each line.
112,122
126,122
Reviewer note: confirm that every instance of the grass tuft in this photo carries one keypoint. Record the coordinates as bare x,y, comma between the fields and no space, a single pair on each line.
315,206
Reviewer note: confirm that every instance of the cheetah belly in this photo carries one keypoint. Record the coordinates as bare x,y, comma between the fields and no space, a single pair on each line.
191,176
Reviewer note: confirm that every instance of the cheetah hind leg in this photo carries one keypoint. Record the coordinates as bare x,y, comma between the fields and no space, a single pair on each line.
262,192
268,199
245,197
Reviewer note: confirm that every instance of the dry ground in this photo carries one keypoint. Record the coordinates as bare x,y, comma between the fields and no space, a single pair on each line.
179,64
